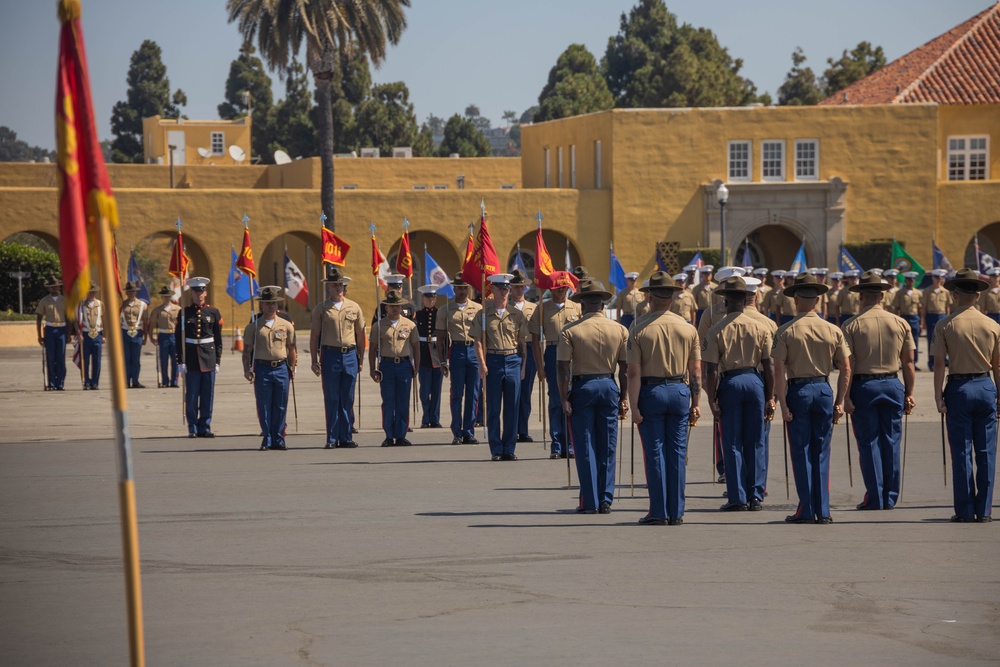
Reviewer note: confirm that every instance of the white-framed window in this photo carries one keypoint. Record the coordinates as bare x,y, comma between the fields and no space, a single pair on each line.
740,153
218,143
806,159
572,165
548,169
597,164
559,165
968,158
772,160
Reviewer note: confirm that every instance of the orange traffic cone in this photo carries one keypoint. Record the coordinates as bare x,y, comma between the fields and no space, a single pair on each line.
238,341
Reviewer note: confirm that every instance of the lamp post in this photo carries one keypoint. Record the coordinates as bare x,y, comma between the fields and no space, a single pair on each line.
172,148
722,196
20,275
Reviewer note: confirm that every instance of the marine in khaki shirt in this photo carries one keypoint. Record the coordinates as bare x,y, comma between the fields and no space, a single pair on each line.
454,322
394,339
989,300
337,324
162,319
505,331
968,339
847,303
133,316
550,317
702,292
627,299
269,339
683,304
908,302
876,339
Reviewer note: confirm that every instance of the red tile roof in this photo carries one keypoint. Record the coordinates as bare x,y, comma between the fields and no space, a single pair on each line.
962,66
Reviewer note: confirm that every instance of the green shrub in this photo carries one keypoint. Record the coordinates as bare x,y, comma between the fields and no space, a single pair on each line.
39,263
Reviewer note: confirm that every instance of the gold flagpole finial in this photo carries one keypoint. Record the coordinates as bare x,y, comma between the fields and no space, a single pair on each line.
69,10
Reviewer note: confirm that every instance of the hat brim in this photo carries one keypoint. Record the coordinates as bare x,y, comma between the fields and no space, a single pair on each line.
386,302
879,287
966,283
580,296
819,288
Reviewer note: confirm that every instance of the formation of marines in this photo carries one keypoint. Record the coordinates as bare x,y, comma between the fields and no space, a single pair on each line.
758,350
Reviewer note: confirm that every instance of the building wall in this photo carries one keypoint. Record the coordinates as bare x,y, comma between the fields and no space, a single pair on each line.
197,134
976,119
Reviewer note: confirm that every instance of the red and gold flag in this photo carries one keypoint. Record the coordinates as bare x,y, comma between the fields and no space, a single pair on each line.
179,261
543,263
334,248
377,258
483,261
85,193
245,261
404,260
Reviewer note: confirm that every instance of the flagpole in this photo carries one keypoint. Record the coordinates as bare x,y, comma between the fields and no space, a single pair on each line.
378,306
123,451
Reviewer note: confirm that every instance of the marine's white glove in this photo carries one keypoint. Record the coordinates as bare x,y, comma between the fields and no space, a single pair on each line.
217,368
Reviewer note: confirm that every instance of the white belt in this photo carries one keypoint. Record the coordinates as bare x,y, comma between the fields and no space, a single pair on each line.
54,326
165,330
199,341
432,339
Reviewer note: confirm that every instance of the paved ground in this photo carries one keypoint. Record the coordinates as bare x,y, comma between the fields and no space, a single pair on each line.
433,555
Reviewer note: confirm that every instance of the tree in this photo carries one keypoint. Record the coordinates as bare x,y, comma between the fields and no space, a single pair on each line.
861,61
40,263
350,87
509,117
328,29
463,137
654,62
574,87
435,124
386,118
472,111
248,89
294,131
801,88
148,95
13,149
424,144
529,115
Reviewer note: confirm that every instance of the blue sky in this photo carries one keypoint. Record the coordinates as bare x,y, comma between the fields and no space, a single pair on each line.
496,55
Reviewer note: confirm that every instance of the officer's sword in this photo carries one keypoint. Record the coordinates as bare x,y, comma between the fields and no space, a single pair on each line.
715,459
784,447
850,466
156,345
632,457
295,405
45,375
620,438
906,425
944,456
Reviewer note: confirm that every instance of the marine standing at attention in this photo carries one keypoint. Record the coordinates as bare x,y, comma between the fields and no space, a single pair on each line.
269,360
430,375
394,357
459,350
91,326
161,324
133,318
199,335
519,284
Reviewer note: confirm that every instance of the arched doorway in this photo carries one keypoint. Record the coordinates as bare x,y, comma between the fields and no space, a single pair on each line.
772,246
555,242
989,241
304,251
430,243
756,253
152,254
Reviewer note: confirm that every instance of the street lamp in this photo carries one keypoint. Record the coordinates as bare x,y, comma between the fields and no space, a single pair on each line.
722,196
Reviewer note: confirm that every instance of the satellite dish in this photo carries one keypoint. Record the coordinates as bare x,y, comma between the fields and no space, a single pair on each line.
281,157
204,152
237,153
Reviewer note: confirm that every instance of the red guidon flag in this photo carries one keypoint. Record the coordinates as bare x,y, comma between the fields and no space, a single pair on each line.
179,261
84,189
245,261
543,263
334,248
404,260
483,261
380,266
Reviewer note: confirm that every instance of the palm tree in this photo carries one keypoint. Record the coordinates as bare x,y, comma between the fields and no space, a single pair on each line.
330,29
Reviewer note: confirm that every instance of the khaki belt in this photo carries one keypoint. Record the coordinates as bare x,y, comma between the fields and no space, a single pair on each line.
505,353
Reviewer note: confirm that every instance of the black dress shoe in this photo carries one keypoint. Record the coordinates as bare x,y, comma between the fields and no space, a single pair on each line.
469,440
409,430
525,438
436,425
264,448
825,520
722,478
479,424
798,519
984,519
675,521
862,506
580,510
734,507
135,386
191,434
962,519
496,457
756,505
354,429
403,442
456,441
350,444
280,447
554,455
605,508
331,444
508,457
651,521
387,442
206,434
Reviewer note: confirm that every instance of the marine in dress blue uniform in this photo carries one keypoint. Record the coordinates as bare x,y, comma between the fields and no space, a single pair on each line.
663,352
589,351
269,360
52,310
805,352
544,326
881,345
336,345
500,331
462,365
394,356
161,324
199,335
740,395
91,323
519,284
430,375
971,342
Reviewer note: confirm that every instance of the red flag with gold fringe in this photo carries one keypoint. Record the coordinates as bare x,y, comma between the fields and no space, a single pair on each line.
404,260
179,260
245,261
84,189
484,261
334,248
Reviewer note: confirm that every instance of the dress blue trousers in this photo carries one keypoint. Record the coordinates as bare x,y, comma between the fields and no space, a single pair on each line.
168,359
133,355
464,385
430,395
395,388
914,322
557,419
931,320
594,430
972,434
199,395
338,371
809,434
627,320
92,348
741,401
994,316
527,388
665,409
877,421
55,355
503,388
785,319
270,387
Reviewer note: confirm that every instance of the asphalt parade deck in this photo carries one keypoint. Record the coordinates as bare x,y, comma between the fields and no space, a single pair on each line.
433,555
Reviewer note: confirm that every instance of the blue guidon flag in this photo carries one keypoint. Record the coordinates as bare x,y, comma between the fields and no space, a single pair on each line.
435,275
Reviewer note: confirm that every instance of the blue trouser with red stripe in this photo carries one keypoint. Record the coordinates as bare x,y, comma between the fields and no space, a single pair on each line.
464,370
339,372
168,359
270,386
877,421
809,434
527,386
395,388
199,395
914,322
92,348
55,355
503,384
665,409
741,400
972,434
595,437
133,355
